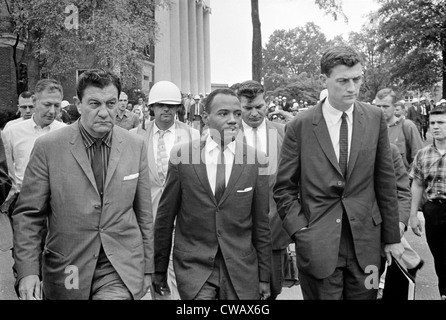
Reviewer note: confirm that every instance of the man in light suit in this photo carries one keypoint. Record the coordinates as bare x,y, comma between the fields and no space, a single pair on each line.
222,246
335,188
90,180
266,136
164,99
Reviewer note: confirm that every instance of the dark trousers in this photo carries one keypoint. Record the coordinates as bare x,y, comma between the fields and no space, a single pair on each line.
347,281
279,259
218,286
435,217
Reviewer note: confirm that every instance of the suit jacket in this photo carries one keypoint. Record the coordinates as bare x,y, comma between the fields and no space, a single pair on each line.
308,169
414,114
5,181
196,109
275,133
183,134
59,185
238,224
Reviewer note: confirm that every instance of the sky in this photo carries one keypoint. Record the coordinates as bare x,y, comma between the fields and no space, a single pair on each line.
231,29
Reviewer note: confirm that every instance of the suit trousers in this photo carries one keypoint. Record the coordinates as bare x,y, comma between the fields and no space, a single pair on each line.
435,216
218,286
279,259
348,281
109,287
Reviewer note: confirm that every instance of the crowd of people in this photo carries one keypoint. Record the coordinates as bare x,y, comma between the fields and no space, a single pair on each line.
200,197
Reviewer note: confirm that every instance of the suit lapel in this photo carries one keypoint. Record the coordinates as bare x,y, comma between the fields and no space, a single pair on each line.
237,170
323,137
200,169
80,154
115,156
358,133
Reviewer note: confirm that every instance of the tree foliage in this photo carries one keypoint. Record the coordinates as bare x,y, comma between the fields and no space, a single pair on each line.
110,34
414,33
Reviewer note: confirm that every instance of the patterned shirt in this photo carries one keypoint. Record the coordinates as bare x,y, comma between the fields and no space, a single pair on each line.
429,167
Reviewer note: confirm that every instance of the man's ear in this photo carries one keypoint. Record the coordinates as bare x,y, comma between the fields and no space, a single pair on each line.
205,117
323,79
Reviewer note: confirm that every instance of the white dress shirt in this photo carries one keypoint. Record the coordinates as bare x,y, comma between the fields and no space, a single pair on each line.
19,139
211,156
261,133
333,118
169,139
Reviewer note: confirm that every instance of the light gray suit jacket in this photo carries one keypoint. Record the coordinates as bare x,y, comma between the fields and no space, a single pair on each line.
59,185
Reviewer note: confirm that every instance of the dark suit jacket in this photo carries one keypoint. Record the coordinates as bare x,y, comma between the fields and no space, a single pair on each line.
309,168
414,114
238,225
402,185
5,181
196,109
59,185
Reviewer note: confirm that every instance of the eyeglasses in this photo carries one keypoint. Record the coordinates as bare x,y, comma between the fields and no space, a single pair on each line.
26,107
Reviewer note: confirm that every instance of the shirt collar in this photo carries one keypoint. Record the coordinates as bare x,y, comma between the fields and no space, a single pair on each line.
89,140
334,114
260,127
211,145
156,128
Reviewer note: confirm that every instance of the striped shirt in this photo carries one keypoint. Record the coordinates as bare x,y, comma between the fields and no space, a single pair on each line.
90,146
429,167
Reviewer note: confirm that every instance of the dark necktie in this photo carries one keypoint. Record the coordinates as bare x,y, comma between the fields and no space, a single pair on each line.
220,181
343,145
98,168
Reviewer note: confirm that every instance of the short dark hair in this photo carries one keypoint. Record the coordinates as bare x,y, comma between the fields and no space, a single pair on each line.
438,110
339,55
48,84
250,89
381,94
99,78
26,94
211,96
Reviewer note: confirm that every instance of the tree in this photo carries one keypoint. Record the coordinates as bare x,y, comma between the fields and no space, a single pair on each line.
294,51
414,32
109,34
331,7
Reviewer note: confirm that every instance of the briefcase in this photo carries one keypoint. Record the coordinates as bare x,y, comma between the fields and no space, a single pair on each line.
399,284
5,232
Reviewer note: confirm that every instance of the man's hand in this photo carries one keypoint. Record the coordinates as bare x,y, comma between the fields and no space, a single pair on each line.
402,229
394,249
160,283
416,225
147,282
264,290
30,288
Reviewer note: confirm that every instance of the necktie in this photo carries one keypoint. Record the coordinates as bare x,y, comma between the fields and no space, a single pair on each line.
343,145
98,167
161,159
220,182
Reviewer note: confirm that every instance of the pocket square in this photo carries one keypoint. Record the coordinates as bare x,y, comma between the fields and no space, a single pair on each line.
132,176
245,190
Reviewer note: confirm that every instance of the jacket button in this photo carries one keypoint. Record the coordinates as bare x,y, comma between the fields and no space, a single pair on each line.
339,183
97,206
338,220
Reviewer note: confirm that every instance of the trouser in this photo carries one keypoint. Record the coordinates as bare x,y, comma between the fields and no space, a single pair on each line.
435,217
279,258
348,281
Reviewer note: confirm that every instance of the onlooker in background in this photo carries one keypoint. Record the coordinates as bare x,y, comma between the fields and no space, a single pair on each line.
429,179
335,188
402,132
73,111
219,201
25,107
196,110
414,114
90,181
63,114
19,138
123,117
5,181
285,106
267,137
129,107
425,109
139,106
400,110
160,136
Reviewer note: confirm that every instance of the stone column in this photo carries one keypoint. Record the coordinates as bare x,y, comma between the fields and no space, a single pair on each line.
162,47
193,47
200,47
175,45
207,49
184,47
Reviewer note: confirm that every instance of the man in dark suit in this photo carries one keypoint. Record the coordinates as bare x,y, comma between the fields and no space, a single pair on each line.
89,182
335,188
266,136
414,113
222,247
5,181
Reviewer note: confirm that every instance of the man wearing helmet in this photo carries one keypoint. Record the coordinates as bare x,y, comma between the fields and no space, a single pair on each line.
160,135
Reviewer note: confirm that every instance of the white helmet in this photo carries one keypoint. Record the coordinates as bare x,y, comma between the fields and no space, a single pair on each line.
164,92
